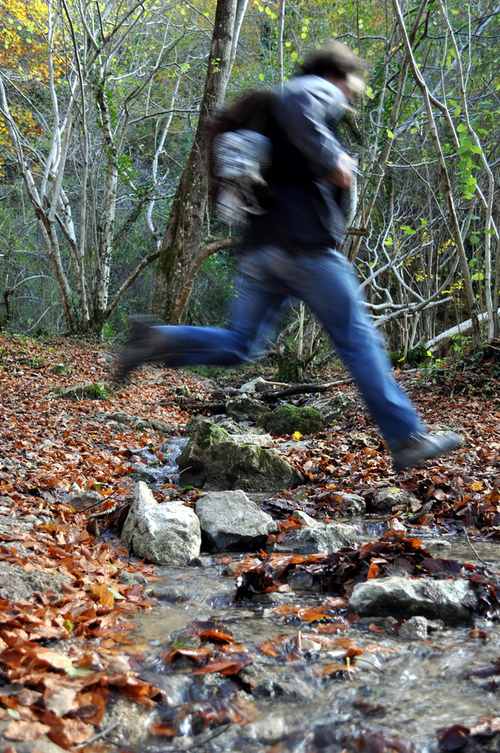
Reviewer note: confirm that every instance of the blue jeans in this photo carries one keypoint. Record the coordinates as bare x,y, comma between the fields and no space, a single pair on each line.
326,282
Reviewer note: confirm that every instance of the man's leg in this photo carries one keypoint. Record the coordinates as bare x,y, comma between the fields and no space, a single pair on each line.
255,303
327,284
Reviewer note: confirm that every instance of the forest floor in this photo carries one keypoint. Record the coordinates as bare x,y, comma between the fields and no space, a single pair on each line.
67,650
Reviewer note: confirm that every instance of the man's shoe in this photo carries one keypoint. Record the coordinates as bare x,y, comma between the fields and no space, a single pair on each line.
424,446
146,344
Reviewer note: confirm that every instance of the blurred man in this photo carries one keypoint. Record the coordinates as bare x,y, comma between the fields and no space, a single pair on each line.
289,250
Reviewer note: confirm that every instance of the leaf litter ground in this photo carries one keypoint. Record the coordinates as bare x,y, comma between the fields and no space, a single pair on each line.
66,651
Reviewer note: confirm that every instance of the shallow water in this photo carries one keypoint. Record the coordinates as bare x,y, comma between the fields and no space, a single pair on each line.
397,687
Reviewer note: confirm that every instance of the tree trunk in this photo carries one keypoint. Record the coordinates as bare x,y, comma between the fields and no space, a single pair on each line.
183,234
450,201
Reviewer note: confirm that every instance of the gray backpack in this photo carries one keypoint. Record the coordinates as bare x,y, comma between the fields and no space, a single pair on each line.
239,160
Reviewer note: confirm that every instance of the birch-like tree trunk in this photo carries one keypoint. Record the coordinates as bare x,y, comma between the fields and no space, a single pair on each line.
448,192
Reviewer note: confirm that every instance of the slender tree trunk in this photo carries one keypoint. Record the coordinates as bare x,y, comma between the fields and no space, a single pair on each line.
455,227
183,234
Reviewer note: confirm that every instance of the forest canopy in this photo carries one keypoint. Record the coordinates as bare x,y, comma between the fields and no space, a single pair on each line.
104,110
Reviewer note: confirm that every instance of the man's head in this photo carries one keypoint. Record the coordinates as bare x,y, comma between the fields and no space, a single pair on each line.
339,64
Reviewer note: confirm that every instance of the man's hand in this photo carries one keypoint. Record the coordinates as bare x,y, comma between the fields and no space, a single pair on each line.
343,177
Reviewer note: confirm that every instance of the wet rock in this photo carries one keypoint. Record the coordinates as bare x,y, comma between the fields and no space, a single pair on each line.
352,504
269,730
301,580
128,721
385,499
304,518
332,407
124,576
394,525
166,534
414,629
228,424
287,419
320,538
439,545
212,459
244,408
150,468
82,500
232,522
274,597
404,598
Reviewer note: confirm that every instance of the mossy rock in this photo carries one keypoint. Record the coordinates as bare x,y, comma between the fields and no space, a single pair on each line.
228,465
214,459
88,391
207,433
287,419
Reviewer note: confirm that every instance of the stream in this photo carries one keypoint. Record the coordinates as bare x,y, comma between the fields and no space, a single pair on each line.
396,688
408,689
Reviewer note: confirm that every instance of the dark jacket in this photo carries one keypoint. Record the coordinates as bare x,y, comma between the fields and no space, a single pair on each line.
304,211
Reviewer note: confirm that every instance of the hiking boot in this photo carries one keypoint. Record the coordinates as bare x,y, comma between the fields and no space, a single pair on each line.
423,446
146,344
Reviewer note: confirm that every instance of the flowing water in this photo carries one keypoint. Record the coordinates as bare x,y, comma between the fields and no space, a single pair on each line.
405,688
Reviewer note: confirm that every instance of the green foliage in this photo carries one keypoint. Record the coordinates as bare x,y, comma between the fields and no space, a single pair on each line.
213,290
414,357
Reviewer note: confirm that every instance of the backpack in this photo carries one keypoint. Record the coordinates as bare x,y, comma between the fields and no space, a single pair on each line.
241,156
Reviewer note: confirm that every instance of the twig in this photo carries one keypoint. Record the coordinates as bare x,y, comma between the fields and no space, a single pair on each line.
102,513
99,502
218,732
98,735
488,564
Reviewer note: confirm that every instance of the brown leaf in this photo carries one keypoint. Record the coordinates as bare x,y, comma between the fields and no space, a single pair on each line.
61,701
169,729
106,598
70,732
453,738
25,731
52,658
373,571
225,666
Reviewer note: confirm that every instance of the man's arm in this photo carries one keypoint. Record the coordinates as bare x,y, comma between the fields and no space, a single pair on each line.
303,112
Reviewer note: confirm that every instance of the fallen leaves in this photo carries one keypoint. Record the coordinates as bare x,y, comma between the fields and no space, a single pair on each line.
25,731
219,652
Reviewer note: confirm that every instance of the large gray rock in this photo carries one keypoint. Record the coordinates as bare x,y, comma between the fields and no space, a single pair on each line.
332,407
166,534
212,459
404,597
245,408
232,522
18,584
321,539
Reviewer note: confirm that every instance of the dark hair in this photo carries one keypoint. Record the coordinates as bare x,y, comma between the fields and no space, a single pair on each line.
333,58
